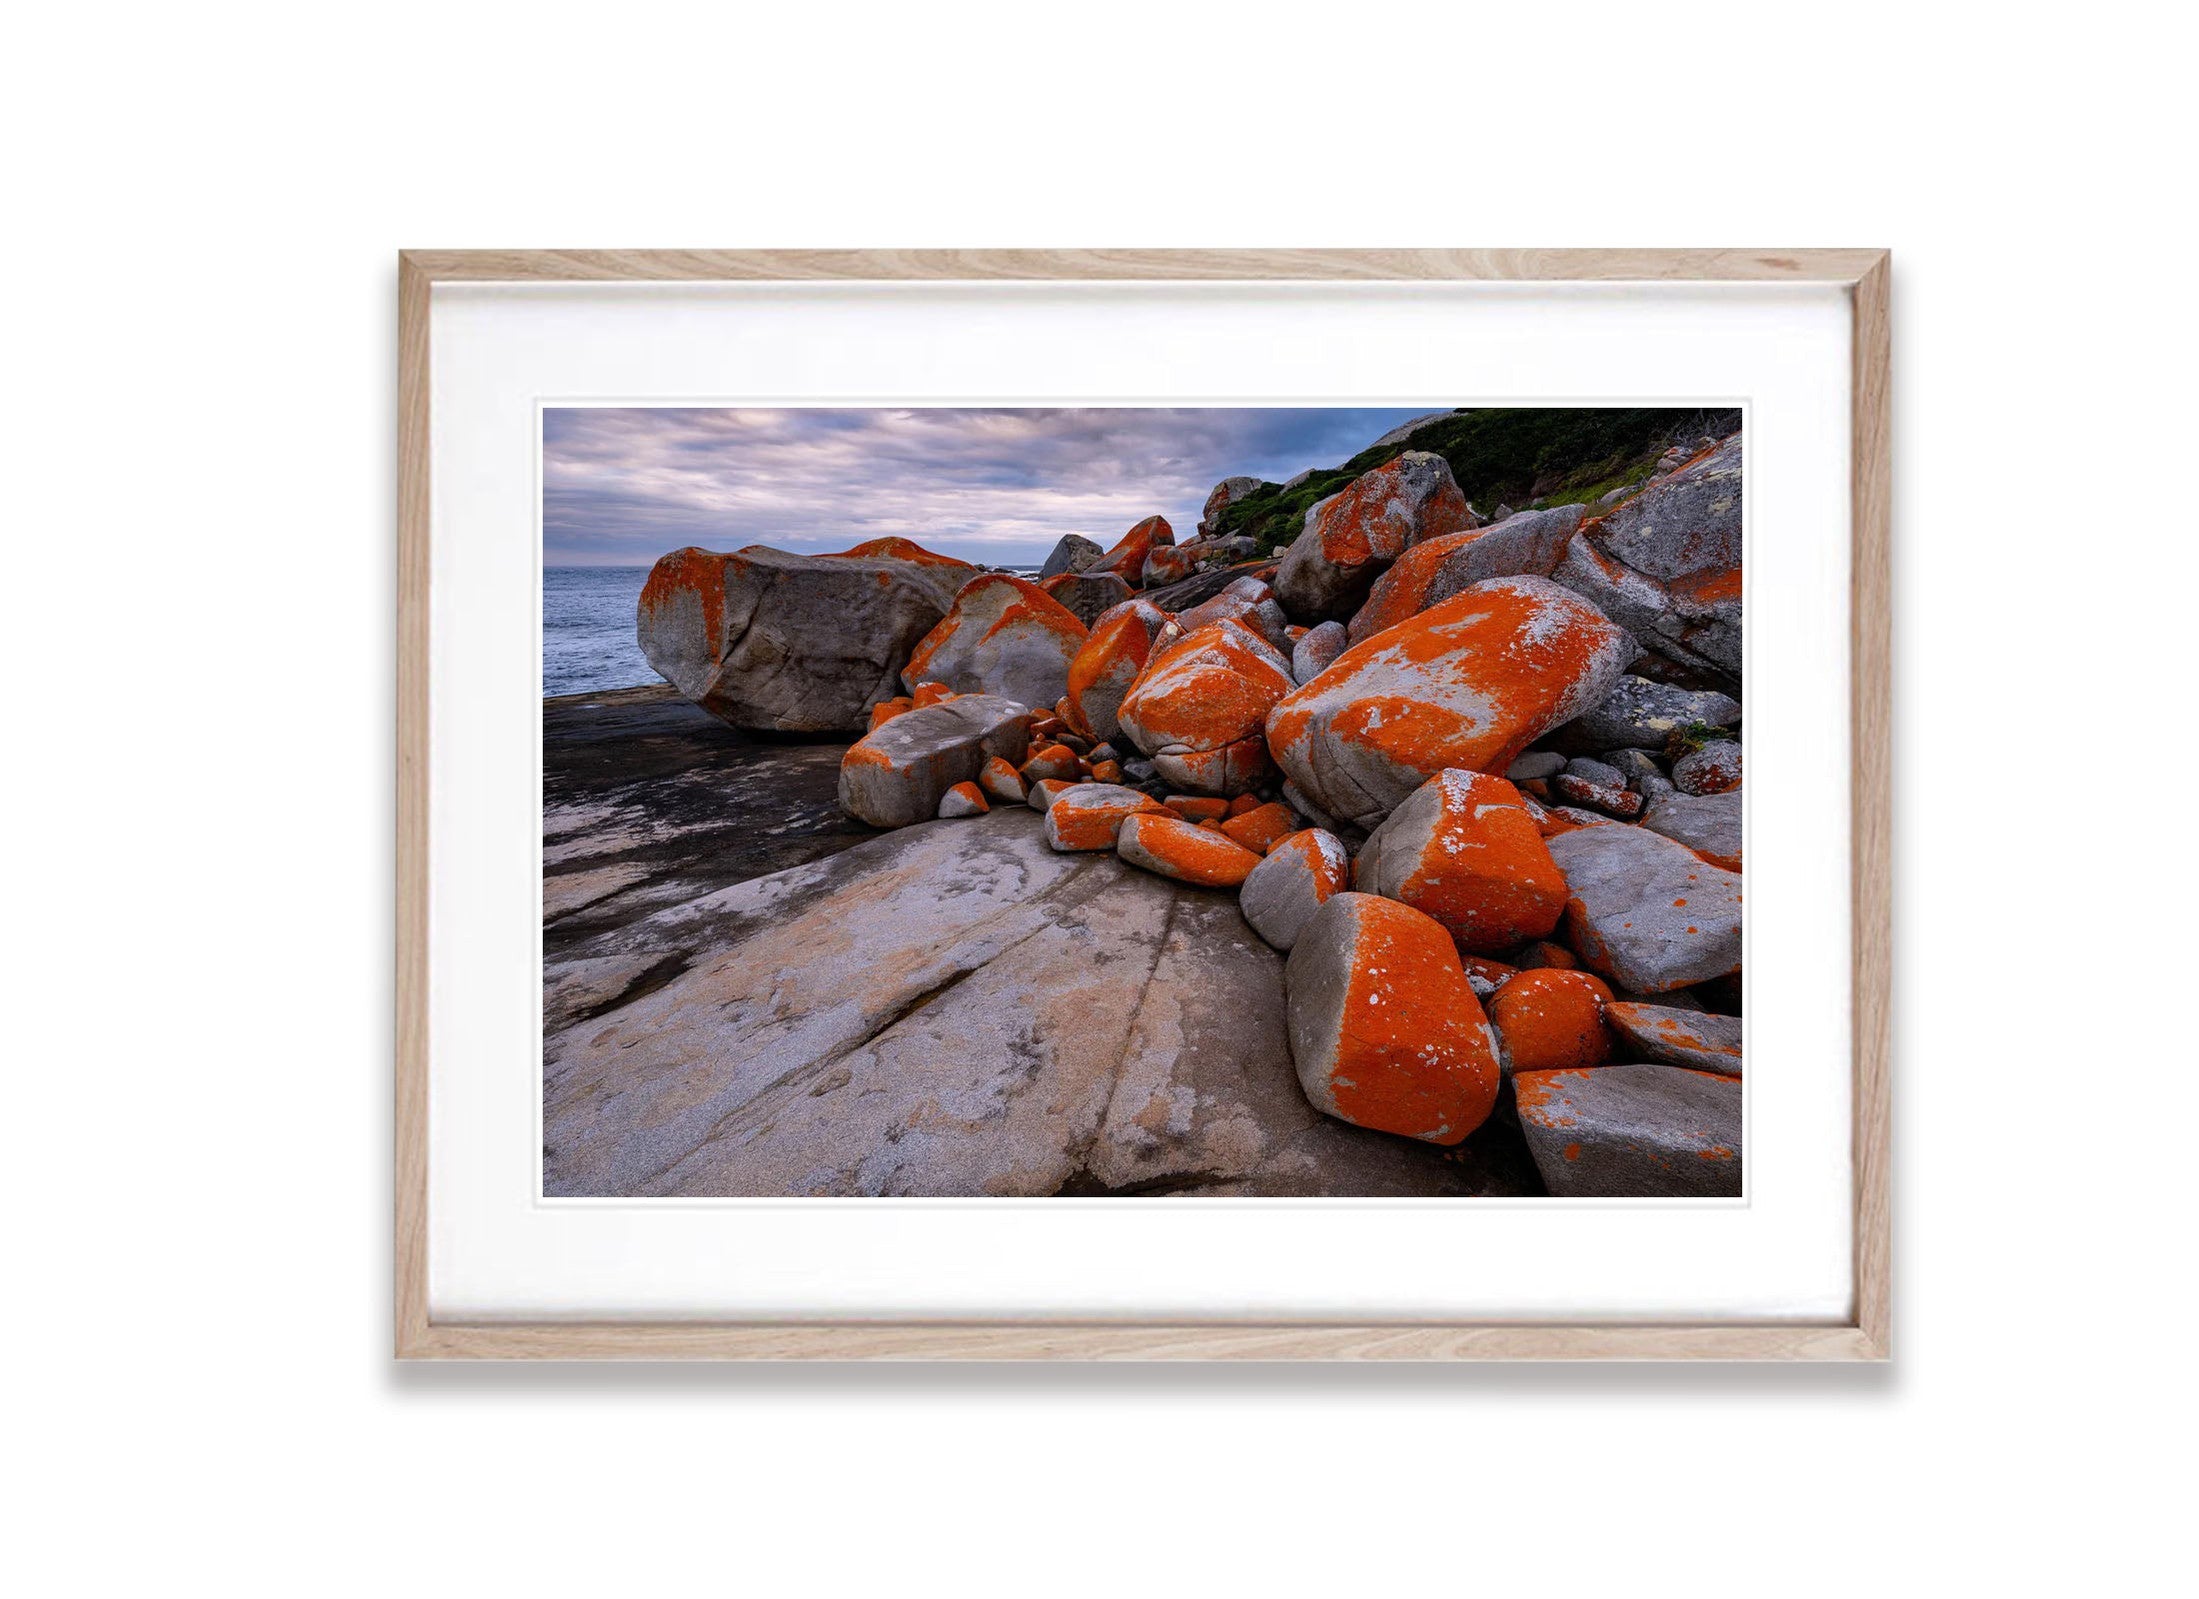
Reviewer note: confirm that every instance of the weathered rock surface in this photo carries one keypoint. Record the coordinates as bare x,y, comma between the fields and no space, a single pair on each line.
1646,912
1295,879
1351,537
1639,714
789,643
1694,1038
953,1009
1633,1131
1087,596
1468,684
1534,764
1073,553
1316,651
1529,544
1002,636
1463,849
1666,563
1199,710
1384,1028
1709,824
1112,656
1713,769
898,775
648,800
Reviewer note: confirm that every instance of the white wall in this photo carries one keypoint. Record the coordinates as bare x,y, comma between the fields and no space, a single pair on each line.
198,497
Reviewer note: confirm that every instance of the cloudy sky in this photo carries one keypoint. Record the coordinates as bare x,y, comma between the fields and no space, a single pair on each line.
622,486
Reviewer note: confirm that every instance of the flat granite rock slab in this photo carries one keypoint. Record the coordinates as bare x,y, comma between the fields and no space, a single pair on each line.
952,1009
649,801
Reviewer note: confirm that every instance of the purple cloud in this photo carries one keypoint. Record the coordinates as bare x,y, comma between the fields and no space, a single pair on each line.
623,485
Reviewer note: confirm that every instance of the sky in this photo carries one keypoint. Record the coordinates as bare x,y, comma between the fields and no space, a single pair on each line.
621,486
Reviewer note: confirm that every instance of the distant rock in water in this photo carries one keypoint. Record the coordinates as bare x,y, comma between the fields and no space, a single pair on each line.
1075,553
774,642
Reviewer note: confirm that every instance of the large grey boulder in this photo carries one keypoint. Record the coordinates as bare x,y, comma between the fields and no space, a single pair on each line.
1643,715
1666,563
897,775
1434,569
786,643
1633,1132
1697,1038
957,1010
1645,911
1088,596
1317,650
1072,553
1709,824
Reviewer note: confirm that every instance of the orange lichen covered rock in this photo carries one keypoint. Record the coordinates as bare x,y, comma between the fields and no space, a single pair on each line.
1485,974
1002,782
1247,600
900,549
1107,664
1633,1131
1297,877
886,710
1263,827
1384,1029
1543,953
1054,760
1699,1039
964,799
899,774
1353,535
1529,544
1552,1020
1044,792
1468,684
1127,559
1003,636
1106,771
1171,846
931,694
1086,816
1168,563
1199,709
787,643
1241,804
1463,849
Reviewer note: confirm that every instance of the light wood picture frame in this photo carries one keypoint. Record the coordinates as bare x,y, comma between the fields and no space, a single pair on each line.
1864,1335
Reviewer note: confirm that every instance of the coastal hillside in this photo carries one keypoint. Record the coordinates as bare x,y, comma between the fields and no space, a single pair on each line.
1376,838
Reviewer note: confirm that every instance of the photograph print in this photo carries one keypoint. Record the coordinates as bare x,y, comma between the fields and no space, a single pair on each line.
1266,802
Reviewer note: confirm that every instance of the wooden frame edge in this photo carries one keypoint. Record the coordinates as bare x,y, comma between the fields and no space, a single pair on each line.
1867,1338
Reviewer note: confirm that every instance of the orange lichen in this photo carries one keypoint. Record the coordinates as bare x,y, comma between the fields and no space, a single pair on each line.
1468,683
1414,1053
1175,848
1002,781
1127,559
1107,664
1087,816
1197,807
1261,828
886,710
898,549
1552,1020
931,694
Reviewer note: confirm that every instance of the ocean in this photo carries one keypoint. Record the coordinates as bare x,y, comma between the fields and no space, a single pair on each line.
588,628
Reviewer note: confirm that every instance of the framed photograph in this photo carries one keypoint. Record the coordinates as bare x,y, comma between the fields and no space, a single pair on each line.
1142,804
